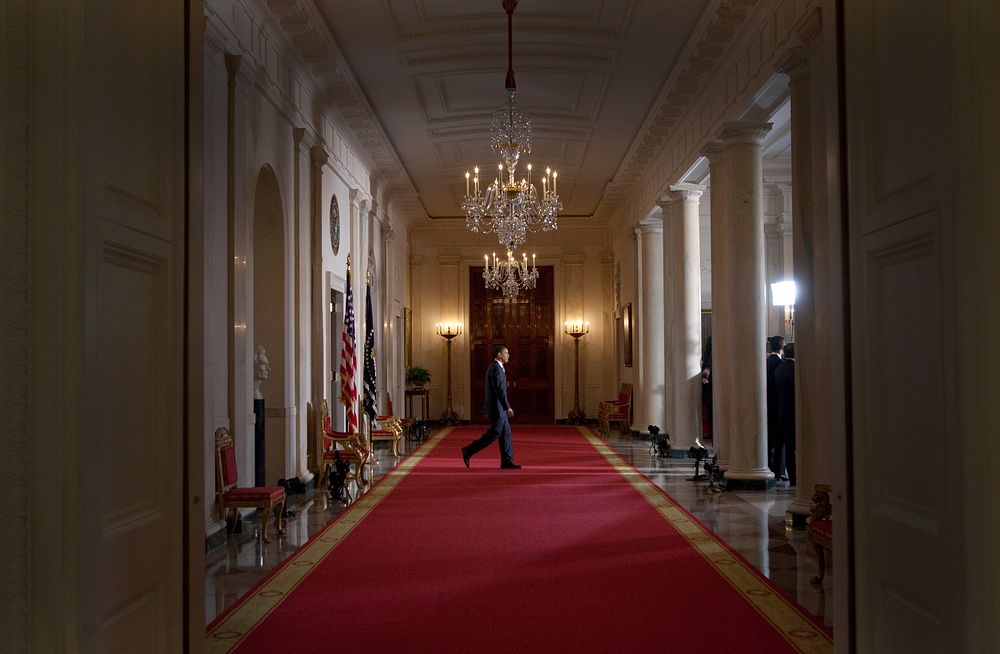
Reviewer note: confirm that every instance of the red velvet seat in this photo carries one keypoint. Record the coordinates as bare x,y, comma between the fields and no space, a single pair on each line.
821,533
820,528
352,444
406,423
616,411
266,499
389,429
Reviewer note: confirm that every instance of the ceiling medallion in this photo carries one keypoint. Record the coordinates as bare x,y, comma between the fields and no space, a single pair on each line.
506,206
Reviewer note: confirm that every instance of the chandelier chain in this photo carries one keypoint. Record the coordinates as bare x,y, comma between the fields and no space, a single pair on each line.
510,207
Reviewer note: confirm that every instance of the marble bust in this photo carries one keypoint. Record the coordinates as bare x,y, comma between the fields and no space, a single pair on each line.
261,369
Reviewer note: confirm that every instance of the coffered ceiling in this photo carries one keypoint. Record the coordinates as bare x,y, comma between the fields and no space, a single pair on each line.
418,81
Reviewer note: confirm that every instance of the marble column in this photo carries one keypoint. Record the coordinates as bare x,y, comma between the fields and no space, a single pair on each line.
240,306
748,301
648,398
805,249
666,204
685,375
721,371
319,307
303,441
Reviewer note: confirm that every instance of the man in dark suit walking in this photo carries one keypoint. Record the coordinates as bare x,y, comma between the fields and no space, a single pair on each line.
498,410
775,438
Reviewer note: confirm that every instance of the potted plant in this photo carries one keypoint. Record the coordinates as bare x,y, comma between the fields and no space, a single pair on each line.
417,376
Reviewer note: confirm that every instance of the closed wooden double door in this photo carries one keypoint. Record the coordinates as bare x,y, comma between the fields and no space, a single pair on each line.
526,326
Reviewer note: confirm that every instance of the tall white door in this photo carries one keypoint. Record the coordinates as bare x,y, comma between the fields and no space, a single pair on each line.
922,143
106,210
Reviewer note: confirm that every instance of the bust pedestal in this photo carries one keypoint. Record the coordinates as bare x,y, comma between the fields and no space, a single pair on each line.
258,441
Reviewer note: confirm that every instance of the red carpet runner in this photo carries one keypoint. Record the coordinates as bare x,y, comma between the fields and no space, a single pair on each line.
577,552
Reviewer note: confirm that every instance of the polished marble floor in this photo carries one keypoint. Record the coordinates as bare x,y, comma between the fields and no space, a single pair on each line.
751,522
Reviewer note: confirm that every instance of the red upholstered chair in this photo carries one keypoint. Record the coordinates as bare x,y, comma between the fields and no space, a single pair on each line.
266,499
406,422
388,428
353,445
616,411
820,528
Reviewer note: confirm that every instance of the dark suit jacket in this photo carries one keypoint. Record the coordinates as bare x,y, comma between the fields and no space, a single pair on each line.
773,361
496,390
784,380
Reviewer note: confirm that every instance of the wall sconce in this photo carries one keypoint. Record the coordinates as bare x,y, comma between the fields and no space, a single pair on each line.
448,332
783,294
577,330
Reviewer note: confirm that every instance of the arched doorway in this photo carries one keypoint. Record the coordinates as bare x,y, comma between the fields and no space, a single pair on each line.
272,413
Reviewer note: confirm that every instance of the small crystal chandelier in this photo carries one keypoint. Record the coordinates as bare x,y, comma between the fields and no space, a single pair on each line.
510,276
507,206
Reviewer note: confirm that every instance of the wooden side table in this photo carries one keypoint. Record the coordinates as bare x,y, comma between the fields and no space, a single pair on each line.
425,402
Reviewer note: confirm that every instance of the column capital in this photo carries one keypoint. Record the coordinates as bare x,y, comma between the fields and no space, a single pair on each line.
652,224
745,133
687,192
232,63
796,63
361,200
239,75
319,156
388,230
714,150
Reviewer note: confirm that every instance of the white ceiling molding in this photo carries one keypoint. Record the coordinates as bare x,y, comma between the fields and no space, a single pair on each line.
314,43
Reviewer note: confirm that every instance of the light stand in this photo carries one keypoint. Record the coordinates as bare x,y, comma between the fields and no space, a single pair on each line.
699,452
577,330
790,321
448,332
783,294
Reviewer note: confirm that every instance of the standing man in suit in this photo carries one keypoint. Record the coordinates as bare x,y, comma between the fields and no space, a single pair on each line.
784,379
775,440
498,410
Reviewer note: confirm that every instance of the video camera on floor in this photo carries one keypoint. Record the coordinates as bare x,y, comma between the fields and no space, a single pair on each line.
659,444
699,453
421,430
339,469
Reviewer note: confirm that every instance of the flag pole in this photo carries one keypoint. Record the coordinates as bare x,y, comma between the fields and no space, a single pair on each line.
369,400
348,359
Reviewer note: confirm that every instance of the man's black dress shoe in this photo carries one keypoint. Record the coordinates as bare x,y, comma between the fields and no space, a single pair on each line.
465,458
509,465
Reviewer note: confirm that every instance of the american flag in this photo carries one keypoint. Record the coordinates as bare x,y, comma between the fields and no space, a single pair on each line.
348,362
370,400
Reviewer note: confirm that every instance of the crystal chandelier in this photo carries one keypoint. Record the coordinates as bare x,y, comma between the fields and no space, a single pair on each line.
507,206
510,276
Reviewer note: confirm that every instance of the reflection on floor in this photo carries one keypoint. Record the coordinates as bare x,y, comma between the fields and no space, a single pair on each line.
752,522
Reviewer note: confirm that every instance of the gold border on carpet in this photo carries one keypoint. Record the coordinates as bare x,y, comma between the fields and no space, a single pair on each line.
244,618
801,632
